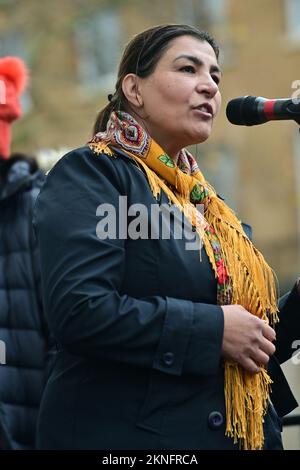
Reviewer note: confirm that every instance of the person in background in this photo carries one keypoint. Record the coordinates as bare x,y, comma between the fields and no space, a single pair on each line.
23,327
160,346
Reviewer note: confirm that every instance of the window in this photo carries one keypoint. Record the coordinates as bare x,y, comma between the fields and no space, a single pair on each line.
209,15
292,13
219,165
215,11
13,45
186,12
202,13
297,175
98,43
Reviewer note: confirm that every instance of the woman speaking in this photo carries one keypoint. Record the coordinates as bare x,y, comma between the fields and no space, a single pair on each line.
159,346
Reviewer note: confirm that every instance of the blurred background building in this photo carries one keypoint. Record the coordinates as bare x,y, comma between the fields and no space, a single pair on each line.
72,48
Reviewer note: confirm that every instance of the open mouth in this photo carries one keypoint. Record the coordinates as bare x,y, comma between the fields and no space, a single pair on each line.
205,108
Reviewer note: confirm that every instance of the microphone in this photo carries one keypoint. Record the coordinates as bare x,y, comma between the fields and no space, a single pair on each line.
252,110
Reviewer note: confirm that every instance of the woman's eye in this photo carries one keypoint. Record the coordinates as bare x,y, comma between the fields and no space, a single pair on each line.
216,79
188,68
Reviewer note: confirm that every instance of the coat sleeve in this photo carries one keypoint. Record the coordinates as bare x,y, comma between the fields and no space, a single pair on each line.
49,342
82,277
288,329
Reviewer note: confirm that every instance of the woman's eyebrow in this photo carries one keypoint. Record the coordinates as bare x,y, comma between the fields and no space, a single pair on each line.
199,62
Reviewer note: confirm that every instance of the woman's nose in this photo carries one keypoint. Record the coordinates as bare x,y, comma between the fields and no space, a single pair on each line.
208,86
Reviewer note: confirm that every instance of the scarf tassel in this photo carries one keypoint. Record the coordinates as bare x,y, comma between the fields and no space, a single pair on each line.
246,398
251,282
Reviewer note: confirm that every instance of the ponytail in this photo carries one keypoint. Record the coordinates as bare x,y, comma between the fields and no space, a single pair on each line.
116,102
102,118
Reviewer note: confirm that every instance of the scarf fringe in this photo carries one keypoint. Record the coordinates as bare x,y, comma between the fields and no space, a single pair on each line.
252,281
246,399
245,264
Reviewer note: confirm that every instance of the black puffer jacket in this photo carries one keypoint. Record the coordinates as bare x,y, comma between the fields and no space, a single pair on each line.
22,327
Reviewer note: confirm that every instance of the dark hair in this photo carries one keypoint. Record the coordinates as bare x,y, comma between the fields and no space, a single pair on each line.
141,56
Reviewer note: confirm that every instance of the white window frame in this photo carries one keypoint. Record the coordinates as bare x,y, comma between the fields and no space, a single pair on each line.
13,44
91,78
213,11
296,154
292,19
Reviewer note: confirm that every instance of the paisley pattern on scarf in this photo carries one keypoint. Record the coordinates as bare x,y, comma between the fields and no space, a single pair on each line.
243,276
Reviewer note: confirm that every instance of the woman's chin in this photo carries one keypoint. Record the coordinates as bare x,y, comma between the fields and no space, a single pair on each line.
200,138
201,135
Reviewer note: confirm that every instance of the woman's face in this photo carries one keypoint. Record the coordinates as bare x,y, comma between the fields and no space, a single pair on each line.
181,98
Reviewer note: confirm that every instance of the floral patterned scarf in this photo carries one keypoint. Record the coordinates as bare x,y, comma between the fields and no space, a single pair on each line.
243,276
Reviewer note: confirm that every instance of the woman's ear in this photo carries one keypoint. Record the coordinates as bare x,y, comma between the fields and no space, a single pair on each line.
131,90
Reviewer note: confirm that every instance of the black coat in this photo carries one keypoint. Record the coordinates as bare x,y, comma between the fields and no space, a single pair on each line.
22,325
136,321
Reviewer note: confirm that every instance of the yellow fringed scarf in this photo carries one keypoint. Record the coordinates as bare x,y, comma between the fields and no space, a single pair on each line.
244,277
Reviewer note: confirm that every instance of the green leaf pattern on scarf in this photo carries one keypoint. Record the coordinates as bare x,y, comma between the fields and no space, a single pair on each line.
166,160
198,193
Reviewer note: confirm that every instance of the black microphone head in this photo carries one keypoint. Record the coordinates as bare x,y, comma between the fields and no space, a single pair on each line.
243,111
